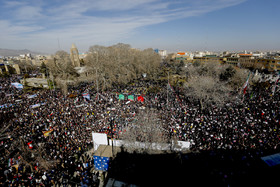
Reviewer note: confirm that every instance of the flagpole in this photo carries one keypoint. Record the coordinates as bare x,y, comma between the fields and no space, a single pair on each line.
245,86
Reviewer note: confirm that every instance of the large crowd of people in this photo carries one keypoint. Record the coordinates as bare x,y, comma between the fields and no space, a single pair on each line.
59,126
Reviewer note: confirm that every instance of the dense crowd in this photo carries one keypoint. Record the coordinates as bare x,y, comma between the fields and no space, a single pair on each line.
252,123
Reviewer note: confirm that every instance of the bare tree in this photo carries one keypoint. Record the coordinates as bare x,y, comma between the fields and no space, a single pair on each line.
62,70
239,78
204,83
119,64
146,134
208,90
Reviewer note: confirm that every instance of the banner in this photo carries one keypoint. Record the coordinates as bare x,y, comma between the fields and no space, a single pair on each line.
121,97
6,105
10,162
86,96
32,96
35,106
17,85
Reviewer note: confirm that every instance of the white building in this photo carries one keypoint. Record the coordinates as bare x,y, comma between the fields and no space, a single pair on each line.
162,53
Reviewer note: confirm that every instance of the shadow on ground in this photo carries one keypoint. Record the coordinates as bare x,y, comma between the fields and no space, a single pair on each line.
207,168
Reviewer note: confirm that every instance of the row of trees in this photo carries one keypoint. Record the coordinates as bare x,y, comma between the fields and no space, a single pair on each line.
120,63
117,64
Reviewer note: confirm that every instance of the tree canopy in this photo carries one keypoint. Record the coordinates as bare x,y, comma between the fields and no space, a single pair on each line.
120,64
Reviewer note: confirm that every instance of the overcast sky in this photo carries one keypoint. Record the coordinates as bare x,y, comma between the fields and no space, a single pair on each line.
186,25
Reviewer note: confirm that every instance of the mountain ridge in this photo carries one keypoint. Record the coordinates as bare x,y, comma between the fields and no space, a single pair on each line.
16,52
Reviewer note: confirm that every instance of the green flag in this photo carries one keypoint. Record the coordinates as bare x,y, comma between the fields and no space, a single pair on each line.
130,98
121,97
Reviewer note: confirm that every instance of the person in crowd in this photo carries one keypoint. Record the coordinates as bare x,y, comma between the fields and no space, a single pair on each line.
61,126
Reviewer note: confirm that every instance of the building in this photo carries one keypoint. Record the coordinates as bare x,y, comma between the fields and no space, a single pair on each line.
249,61
74,55
269,64
156,50
208,58
9,68
183,56
162,53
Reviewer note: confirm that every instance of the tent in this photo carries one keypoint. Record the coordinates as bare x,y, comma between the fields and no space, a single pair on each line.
99,139
102,157
272,160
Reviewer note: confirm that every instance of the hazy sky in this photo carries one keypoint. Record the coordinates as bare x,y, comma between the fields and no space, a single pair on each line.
50,25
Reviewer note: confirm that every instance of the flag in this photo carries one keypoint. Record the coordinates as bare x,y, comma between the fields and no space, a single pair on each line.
130,98
140,98
169,86
86,96
32,96
121,97
17,85
76,100
10,162
46,133
101,163
245,85
252,95
30,146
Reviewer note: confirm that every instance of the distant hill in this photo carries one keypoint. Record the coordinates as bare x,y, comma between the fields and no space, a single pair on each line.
14,52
